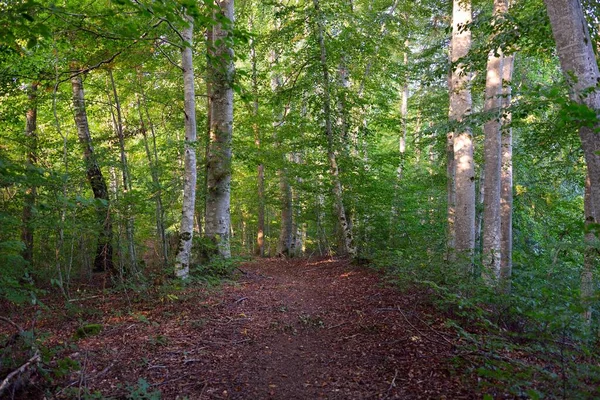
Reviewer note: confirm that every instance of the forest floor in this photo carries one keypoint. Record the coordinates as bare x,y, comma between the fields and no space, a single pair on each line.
284,329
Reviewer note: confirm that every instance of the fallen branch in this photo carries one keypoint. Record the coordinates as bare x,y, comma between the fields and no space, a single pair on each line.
13,324
422,334
21,370
338,325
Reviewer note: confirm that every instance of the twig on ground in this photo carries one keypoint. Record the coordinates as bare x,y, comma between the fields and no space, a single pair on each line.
338,325
13,324
392,384
447,342
85,298
21,370
240,300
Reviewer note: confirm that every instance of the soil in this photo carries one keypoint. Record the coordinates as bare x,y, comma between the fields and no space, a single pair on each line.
284,329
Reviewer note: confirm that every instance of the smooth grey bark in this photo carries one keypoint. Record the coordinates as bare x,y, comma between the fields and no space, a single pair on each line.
220,77
103,260
460,107
506,196
186,229
492,160
579,65
118,126
27,232
348,240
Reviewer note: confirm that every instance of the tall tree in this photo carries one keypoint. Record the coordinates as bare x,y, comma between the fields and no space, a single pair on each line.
506,197
118,126
579,65
460,107
348,247
186,230
27,232
220,77
493,157
103,260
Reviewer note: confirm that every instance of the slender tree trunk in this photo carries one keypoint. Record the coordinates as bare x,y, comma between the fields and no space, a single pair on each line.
450,187
221,71
578,61
129,223
460,108
260,236
285,191
506,199
348,239
157,190
493,160
186,229
286,233
27,233
103,260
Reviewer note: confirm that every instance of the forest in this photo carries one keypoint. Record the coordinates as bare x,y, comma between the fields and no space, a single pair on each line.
299,199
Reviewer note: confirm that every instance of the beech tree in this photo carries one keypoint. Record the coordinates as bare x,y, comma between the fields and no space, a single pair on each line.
463,174
221,74
578,61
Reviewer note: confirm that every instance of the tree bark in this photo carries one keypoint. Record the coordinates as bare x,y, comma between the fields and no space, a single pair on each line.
348,240
103,260
578,62
460,107
129,222
186,229
221,72
260,170
492,160
27,232
157,189
506,199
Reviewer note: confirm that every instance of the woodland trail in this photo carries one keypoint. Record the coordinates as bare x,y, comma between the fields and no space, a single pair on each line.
288,329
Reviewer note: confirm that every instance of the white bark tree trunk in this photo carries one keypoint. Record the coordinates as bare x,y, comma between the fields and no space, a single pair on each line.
492,160
221,72
186,229
460,107
578,61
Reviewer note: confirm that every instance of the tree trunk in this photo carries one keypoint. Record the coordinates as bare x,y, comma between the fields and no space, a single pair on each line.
492,160
186,229
103,260
460,107
506,199
31,192
450,187
348,240
578,61
286,233
260,235
129,223
221,71
153,163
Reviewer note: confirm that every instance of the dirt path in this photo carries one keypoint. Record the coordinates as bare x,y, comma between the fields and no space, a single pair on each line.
299,329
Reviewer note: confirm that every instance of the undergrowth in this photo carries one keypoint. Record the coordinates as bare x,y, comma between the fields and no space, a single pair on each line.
530,343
